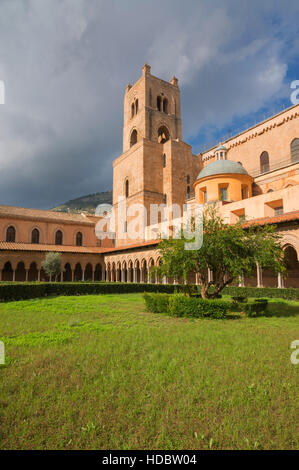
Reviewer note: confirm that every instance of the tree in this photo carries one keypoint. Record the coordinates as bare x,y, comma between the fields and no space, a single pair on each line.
229,251
52,265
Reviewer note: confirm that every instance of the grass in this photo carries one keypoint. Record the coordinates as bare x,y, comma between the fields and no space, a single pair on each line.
98,372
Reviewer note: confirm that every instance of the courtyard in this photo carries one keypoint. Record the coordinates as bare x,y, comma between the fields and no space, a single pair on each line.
99,372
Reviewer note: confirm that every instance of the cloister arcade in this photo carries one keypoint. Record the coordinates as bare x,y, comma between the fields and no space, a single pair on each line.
27,268
133,266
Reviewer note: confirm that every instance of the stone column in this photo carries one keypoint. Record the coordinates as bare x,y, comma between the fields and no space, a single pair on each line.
73,275
83,272
280,281
259,275
13,275
122,275
241,281
93,276
38,275
26,275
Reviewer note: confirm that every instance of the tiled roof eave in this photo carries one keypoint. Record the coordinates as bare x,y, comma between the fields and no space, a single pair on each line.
9,246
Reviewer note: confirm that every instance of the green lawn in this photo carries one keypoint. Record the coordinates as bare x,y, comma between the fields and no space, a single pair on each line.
98,372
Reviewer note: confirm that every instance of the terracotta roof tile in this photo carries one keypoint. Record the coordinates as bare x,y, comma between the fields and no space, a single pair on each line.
129,247
8,246
21,212
287,217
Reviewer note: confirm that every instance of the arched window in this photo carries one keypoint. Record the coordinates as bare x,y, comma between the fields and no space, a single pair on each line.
79,239
133,139
188,179
264,162
35,236
188,192
163,135
290,256
11,234
295,150
58,237
164,160
127,188
132,110
164,198
136,106
165,105
159,103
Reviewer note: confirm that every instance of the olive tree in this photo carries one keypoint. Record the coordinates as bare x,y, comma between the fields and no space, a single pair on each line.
52,265
229,251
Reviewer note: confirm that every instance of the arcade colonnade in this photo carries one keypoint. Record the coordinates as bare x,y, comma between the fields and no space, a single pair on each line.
131,266
27,266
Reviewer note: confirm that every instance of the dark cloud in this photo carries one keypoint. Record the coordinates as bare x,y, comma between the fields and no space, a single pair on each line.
66,63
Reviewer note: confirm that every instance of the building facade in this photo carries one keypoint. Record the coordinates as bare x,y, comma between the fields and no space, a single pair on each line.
252,176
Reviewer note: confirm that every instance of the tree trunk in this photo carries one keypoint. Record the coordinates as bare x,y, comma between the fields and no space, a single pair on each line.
204,291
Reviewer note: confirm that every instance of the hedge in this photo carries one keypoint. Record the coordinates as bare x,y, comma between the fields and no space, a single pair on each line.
289,293
31,290
257,308
179,305
156,302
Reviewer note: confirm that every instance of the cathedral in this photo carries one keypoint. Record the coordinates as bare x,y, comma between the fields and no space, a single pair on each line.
252,176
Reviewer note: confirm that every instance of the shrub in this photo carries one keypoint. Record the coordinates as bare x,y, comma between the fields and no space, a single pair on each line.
213,308
31,290
272,292
156,303
240,299
256,308
180,306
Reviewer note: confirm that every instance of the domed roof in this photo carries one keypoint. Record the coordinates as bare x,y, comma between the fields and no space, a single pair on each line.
221,147
219,167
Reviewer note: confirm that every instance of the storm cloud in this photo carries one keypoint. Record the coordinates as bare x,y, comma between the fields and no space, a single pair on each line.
65,65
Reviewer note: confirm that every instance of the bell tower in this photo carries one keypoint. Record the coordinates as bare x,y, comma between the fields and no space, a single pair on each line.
151,110
156,166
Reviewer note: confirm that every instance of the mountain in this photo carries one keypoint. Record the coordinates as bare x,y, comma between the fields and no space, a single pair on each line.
85,203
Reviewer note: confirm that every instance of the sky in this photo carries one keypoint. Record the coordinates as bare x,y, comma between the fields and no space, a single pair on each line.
65,65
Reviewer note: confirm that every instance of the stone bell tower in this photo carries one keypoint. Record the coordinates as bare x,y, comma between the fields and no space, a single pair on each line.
150,105
156,166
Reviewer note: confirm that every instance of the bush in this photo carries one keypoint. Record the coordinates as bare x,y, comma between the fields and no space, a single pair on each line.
214,308
272,292
256,308
182,306
31,290
156,303
240,299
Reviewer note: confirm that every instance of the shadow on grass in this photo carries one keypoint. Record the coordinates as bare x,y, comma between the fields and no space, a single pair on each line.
279,309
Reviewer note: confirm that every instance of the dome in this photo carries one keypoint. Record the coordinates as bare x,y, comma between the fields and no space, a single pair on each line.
219,167
221,147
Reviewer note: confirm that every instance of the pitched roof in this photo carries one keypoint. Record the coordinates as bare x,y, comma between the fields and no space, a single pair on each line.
21,213
9,246
129,247
277,219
